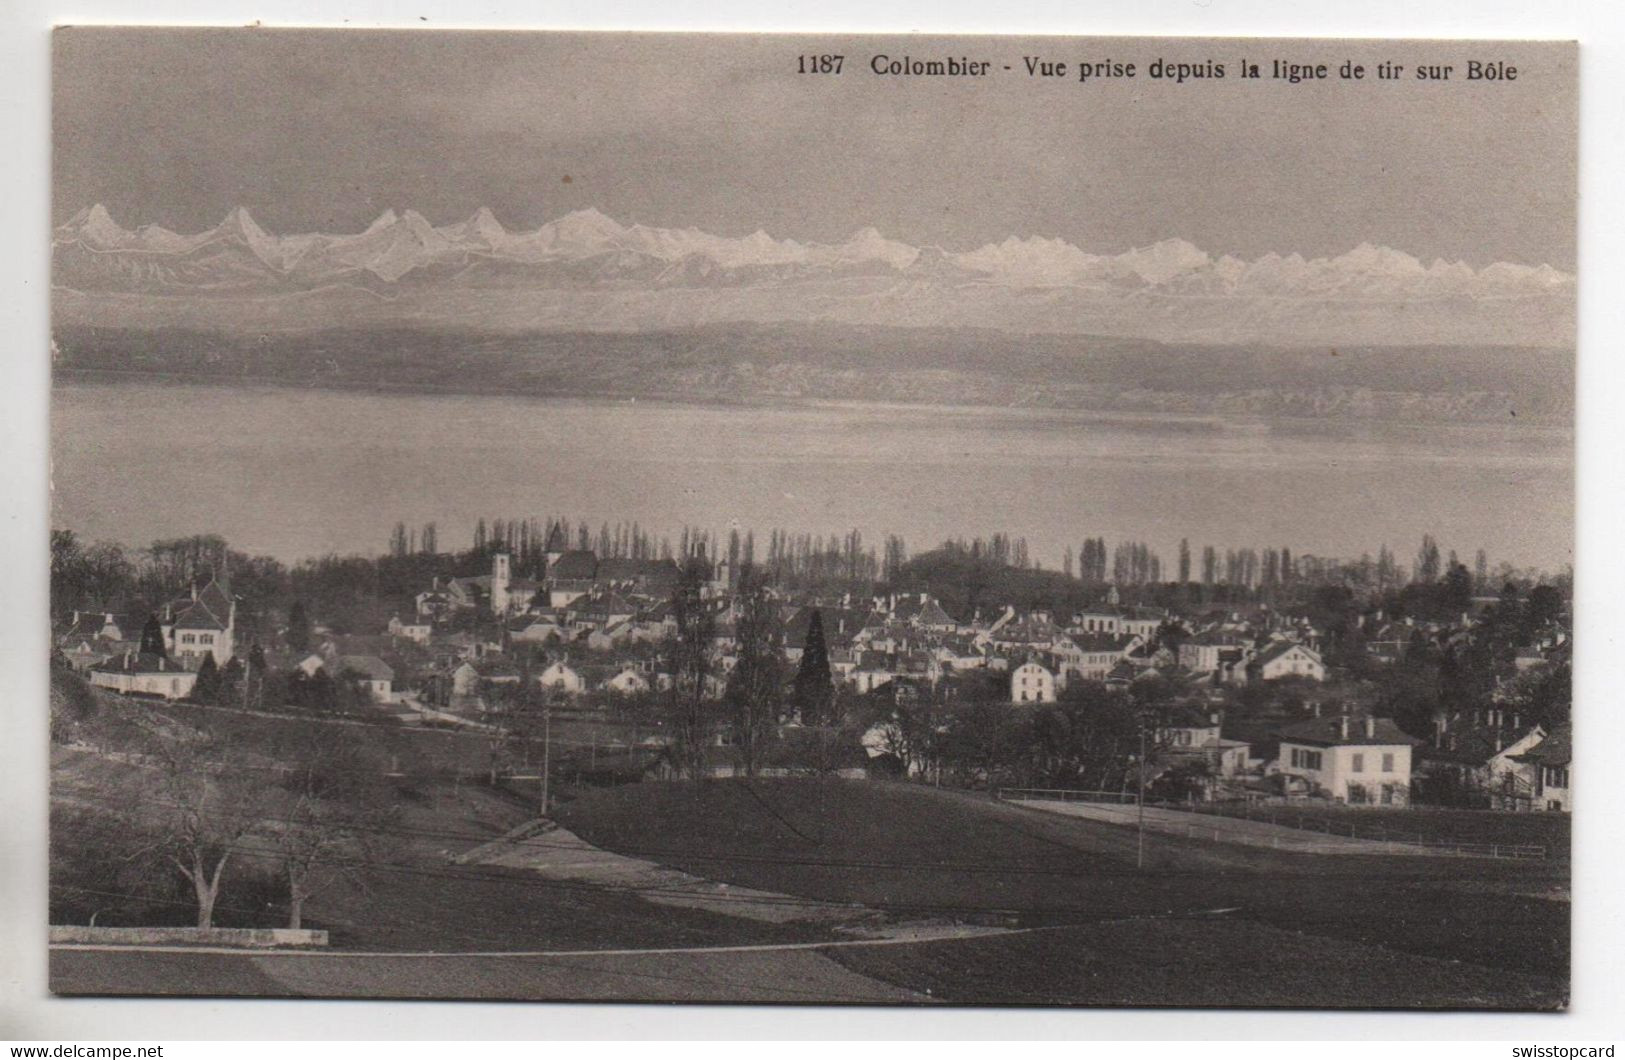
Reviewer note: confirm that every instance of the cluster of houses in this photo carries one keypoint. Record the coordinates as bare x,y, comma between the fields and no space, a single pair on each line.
591,628
108,646
598,623
1513,763
909,639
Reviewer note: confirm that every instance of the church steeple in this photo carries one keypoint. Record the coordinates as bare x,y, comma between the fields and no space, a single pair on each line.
558,542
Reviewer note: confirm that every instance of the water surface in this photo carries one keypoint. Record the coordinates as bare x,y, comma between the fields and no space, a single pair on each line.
295,473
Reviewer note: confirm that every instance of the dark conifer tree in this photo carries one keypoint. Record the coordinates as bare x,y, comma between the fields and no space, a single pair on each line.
152,638
320,692
207,688
231,681
298,688
1458,589
814,692
298,628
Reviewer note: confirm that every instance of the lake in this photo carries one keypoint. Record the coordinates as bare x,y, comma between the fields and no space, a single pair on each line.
294,473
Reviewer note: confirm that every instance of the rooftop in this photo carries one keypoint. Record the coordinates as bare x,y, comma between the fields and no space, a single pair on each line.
1329,732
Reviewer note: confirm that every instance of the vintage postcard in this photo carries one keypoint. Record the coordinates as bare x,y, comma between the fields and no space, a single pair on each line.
820,520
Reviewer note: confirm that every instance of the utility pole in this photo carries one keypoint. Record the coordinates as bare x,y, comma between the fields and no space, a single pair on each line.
1139,860
547,750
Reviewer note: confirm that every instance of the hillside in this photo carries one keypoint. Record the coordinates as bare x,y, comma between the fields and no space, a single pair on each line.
398,889
1403,930
914,849
826,362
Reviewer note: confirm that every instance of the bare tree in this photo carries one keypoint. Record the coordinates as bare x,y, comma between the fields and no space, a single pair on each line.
690,654
323,816
910,729
1428,564
756,687
502,721
205,800
896,555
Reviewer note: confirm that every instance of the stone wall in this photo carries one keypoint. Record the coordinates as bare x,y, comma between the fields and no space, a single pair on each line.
247,938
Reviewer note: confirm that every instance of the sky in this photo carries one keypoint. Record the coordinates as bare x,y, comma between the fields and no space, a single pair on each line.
324,130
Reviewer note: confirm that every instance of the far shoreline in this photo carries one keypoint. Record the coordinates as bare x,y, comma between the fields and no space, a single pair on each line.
69,376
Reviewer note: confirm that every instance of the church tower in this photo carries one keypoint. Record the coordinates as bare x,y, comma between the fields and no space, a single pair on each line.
501,576
557,543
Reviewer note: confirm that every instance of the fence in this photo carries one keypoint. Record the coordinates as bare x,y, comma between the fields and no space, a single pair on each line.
1321,823
1375,839
1122,798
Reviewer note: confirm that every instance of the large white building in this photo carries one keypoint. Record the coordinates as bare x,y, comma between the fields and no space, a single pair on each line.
1138,622
1362,761
1091,656
204,624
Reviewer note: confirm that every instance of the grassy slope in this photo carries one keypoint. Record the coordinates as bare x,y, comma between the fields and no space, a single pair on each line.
419,900
410,750
1219,963
408,895
922,851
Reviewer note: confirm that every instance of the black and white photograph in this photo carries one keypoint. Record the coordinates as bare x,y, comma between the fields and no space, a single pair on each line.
802,519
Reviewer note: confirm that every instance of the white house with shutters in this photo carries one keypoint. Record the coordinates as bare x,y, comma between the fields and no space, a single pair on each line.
203,624
1361,761
1551,765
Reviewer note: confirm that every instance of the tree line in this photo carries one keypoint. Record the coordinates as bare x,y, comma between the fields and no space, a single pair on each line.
360,593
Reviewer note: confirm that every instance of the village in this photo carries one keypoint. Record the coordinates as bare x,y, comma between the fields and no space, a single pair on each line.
651,519
1219,702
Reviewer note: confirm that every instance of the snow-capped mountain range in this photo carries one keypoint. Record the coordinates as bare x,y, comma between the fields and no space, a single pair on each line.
478,273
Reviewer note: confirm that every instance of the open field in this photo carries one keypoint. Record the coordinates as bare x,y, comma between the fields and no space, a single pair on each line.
1212,962
1383,930
800,976
1199,961
914,850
